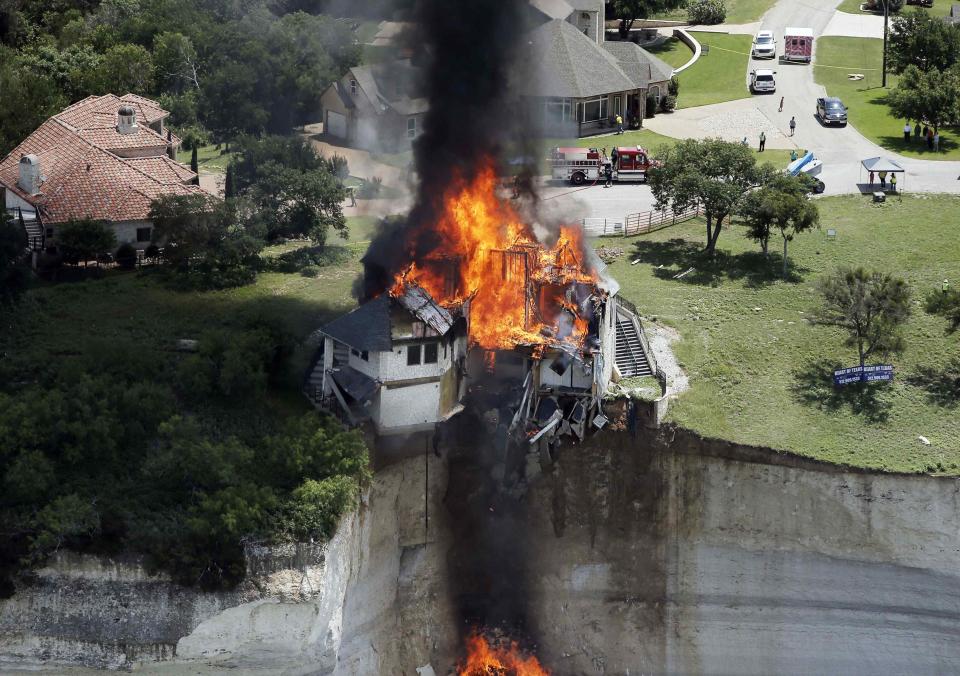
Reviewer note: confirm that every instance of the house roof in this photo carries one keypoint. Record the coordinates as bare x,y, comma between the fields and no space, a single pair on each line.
640,66
83,177
391,85
359,386
553,9
571,65
418,302
365,328
587,5
97,112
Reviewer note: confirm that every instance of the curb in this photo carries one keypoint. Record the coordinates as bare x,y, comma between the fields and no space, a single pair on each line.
684,36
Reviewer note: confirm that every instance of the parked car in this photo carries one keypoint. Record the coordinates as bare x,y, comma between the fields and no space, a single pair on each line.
831,110
764,46
762,80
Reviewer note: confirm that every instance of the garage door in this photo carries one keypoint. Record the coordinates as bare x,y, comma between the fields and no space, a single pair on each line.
336,124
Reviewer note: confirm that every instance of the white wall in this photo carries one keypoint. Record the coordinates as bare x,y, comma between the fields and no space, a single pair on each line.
393,365
371,367
575,376
409,406
12,201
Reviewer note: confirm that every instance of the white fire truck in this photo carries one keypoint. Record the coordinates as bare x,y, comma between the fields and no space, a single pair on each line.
580,165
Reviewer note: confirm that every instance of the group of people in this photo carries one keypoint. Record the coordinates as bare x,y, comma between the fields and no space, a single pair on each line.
883,179
931,135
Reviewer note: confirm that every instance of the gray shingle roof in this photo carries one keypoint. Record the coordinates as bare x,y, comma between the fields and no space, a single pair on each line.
587,5
554,9
420,303
640,65
571,65
364,328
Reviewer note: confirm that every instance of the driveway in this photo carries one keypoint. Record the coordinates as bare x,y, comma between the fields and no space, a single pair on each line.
841,149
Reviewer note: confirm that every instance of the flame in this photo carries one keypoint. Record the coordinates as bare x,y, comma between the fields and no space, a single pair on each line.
486,660
517,287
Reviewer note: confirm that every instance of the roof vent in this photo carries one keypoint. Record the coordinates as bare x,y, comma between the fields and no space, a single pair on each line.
30,176
127,120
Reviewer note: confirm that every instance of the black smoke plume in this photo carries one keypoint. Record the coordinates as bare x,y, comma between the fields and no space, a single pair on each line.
469,49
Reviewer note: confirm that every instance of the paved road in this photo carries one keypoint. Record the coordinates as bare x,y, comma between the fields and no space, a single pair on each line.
840,149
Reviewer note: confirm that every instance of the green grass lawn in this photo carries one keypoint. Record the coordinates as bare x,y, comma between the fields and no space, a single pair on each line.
940,7
866,99
719,74
738,11
672,51
211,159
760,373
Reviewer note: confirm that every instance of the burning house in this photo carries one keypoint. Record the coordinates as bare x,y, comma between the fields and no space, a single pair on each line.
493,300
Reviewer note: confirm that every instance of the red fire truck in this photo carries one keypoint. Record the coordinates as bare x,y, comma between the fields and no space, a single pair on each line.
582,165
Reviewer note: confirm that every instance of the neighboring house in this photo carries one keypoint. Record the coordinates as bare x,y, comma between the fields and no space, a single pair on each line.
376,107
954,16
396,363
580,81
105,158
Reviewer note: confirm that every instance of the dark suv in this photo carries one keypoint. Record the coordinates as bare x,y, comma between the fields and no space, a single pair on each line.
832,111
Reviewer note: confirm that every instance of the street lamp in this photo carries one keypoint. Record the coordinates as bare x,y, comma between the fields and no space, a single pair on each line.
885,15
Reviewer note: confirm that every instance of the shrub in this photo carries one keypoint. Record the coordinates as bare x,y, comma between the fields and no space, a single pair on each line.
370,189
315,257
893,6
152,252
339,167
707,12
668,104
317,505
651,106
673,87
310,271
126,256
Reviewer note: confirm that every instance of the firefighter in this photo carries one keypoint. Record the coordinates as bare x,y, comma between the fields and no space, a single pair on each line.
608,174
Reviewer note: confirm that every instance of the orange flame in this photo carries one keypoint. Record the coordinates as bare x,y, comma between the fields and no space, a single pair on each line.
517,287
486,660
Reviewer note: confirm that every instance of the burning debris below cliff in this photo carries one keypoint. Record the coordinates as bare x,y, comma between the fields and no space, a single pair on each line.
498,657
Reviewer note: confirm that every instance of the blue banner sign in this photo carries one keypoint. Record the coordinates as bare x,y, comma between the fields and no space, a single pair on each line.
863,374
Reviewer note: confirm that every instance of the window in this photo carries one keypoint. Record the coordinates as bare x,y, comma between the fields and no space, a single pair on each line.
595,109
558,109
143,234
353,87
616,105
413,355
411,127
655,93
430,353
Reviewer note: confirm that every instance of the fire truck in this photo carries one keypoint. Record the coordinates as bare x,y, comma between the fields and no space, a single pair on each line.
580,165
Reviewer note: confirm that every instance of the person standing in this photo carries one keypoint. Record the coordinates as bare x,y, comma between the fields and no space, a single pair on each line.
763,141
780,110
929,139
936,141
906,131
793,125
883,179
893,181
916,130
619,123
871,178
793,156
608,175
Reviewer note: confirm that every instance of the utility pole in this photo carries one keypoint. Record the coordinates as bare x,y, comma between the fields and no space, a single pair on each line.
886,15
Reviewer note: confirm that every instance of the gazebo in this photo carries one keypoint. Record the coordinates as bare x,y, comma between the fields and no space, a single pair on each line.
881,164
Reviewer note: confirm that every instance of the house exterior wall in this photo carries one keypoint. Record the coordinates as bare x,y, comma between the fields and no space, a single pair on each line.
608,340
371,367
575,376
589,23
408,407
14,201
393,365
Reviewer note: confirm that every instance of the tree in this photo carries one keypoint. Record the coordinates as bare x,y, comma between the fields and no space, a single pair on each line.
918,38
711,174
85,239
780,204
628,11
870,306
176,62
946,303
931,97
125,68
13,243
295,192
27,99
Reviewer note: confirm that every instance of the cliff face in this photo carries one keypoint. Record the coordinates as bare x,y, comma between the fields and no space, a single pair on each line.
653,555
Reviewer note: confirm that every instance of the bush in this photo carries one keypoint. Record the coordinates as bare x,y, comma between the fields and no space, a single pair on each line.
339,167
651,106
317,505
370,189
310,271
126,256
152,252
673,87
893,6
306,257
706,12
668,104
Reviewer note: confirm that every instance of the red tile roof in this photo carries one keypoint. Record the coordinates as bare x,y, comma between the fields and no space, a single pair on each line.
82,174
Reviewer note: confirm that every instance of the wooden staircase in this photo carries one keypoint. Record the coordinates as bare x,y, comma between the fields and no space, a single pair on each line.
631,359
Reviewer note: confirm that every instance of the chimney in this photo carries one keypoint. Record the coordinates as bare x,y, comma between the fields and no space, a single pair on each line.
127,120
30,177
